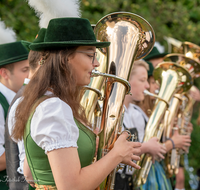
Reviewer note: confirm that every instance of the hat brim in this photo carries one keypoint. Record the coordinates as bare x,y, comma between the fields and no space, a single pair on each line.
14,59
26,44
154,56
59,45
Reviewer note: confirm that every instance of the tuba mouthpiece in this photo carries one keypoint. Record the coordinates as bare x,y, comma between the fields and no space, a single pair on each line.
95,73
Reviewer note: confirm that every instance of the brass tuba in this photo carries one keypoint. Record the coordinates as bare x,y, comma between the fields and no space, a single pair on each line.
180,108
174,45
191,50
173,78
131,37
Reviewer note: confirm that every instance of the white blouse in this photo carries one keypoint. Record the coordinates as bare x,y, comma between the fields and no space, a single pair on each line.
53,125
134,117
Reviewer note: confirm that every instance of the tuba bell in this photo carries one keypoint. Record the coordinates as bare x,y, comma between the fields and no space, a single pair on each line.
132,38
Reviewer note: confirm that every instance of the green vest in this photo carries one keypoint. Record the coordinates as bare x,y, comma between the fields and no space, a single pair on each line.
4,103
38,160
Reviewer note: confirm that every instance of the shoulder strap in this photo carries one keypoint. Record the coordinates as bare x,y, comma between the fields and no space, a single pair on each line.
125,126
4,104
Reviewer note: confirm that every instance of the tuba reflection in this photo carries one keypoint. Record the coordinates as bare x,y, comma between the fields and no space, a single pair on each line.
131,37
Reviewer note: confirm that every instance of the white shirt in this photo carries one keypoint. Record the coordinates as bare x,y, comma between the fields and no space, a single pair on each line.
134,117
52,126
20,144
9,95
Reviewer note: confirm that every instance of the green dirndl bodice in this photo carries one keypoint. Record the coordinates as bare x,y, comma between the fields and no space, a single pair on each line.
38,160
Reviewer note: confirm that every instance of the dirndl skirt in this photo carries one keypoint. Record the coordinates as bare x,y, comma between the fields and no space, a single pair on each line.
157,179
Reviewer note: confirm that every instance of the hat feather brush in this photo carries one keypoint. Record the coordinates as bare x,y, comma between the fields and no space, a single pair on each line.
7,35
49,9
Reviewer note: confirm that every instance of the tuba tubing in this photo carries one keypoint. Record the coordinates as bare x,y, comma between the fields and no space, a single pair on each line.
171,162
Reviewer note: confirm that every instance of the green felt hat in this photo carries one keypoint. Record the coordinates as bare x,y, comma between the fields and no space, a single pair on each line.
154,54
39,38
63,32
12,52
151,68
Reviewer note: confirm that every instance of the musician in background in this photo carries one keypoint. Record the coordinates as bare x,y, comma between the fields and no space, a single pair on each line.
15,152
157,178
13,69
179,141
135,121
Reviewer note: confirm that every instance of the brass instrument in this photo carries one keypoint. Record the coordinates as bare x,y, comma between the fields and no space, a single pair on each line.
178,110
131,38
186,115
191,50
174,45
173,78
172,157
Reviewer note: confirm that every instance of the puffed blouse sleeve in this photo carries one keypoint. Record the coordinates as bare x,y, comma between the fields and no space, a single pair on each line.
53,125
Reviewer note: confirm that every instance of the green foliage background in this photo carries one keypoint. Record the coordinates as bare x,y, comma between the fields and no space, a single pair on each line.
179,19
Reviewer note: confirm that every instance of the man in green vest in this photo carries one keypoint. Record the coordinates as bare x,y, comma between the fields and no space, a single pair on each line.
14,68
15,152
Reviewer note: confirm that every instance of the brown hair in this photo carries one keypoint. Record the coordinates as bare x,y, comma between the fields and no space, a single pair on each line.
10,67
54,74
33,58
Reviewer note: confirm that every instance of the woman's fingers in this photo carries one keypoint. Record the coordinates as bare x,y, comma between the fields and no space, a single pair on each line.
135,157
137,151
163,151
163,148
161,156
134,165
136,144
124,135
186,144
